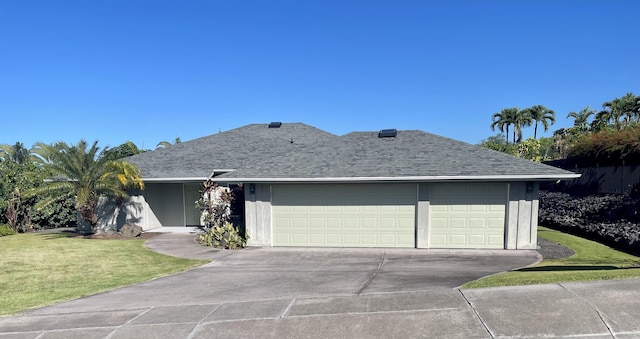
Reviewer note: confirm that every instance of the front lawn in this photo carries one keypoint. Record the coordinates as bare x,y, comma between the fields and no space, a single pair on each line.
41,269
591,261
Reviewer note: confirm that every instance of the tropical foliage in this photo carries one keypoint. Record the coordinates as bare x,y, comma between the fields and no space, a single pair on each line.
167,143
127,149
607,147
581,119
56,185
540,115
608,137
83,171
215,206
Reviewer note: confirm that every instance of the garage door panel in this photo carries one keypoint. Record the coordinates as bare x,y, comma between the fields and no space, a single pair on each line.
438,241
316,222
437,223
352,215
497,240
477,223
458,223
317,238
350,239
477,240
457,240
497,223
467,215
334,223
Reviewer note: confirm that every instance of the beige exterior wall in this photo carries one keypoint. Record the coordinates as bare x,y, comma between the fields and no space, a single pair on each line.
522,216
164,205
258,214
159,205
135,211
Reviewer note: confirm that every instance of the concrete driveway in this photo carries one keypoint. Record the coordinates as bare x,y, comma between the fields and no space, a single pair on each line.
274,273
338,293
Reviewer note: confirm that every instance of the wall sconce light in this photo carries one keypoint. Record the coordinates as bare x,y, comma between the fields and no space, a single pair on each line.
529,187
252,188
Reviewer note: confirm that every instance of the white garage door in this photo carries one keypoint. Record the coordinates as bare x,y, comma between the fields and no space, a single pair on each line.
467,215
359,215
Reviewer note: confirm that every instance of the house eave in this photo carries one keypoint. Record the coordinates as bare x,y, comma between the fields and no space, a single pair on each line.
174,180
554,177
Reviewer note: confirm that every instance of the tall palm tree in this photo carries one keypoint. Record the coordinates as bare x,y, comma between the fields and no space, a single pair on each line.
581,119
627,106
503,119
612,112
82,171
540,114
521,119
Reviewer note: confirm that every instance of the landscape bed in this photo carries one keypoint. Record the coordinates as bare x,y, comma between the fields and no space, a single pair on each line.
609,219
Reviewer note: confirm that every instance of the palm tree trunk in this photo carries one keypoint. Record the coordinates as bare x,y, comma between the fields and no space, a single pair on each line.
535,131
87,212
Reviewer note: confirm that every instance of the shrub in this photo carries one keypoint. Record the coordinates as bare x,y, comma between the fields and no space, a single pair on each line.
609,219
224,235
607,147
60,213
6,230
215,207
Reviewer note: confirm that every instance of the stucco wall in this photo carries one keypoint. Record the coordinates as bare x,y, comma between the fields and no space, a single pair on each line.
135,210
522,216
258,214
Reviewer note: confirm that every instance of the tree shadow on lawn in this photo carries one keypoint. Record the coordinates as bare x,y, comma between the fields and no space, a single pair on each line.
55,236
573,268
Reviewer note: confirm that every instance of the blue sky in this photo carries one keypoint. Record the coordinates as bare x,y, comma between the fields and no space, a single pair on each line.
148,71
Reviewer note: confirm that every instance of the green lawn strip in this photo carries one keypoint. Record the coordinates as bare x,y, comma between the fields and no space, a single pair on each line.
41,269
591,261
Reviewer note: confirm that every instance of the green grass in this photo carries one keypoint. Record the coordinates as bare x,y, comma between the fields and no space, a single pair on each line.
591,261
41,269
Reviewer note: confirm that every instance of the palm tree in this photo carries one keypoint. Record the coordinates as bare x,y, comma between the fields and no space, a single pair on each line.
167,144
541,114
503,119
612,112
581,119
521,119
82,171
627,106
16,153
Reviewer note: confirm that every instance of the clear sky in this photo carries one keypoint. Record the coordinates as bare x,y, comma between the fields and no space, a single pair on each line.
148,71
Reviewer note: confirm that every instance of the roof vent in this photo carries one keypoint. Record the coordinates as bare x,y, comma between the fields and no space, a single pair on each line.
388,133
275,124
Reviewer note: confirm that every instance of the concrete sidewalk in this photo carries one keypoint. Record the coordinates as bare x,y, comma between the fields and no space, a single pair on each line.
376,294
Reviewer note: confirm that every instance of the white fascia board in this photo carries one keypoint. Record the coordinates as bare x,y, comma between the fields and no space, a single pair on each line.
416,178
167,180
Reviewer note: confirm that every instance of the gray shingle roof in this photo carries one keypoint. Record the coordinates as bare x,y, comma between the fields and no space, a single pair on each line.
244,147
258,153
